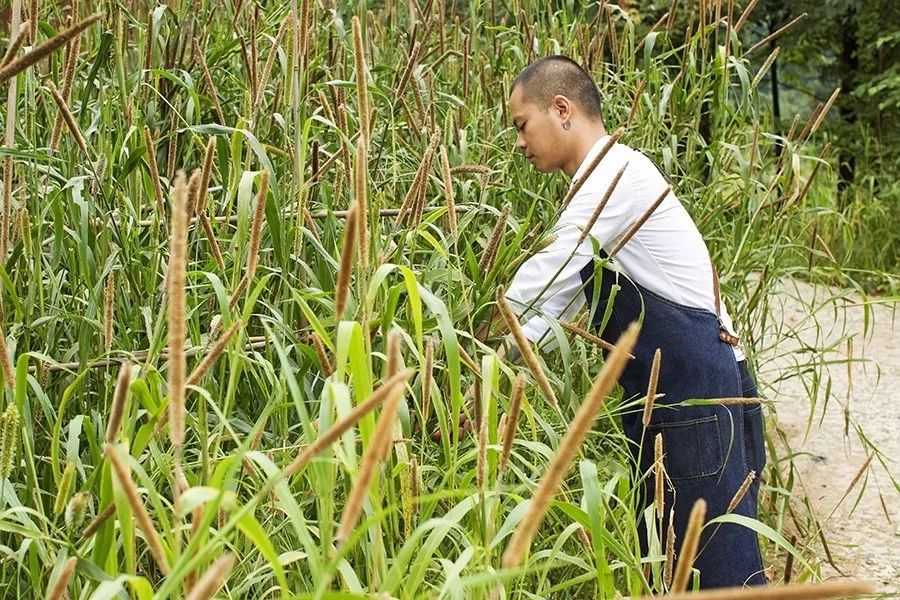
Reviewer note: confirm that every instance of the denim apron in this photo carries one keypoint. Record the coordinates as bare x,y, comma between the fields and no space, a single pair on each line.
709,450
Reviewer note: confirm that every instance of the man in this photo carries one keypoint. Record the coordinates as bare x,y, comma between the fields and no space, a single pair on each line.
662,277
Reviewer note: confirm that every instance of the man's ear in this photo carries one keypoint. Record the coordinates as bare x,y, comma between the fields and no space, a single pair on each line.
562,106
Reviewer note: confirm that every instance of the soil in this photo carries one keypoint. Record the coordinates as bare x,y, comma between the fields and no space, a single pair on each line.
863,537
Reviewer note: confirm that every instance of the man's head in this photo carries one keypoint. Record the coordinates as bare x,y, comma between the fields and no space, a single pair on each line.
555,107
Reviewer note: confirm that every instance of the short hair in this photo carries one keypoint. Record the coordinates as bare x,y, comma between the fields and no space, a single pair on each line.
559,75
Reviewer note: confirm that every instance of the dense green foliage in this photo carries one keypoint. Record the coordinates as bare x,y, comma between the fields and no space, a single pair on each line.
431,527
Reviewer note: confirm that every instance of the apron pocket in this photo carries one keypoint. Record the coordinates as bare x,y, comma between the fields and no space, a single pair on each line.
754,439
692,448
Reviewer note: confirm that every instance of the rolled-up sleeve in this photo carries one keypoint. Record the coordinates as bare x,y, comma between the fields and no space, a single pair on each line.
548,285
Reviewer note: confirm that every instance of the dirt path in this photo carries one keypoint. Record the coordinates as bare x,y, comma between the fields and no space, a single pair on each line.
865,540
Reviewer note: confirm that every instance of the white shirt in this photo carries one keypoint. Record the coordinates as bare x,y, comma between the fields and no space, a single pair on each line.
667,255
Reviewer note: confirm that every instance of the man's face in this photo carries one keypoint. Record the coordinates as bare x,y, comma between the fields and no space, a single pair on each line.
539,133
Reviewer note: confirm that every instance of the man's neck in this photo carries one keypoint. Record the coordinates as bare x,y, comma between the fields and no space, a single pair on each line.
582,146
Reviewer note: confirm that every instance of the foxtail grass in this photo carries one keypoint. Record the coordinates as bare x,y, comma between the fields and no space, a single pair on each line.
379,445
66,93
213,354
176,312
141,516
361,183
362,89
119,403
651,388
65,486
154,174
512,419
490,250
528,355
342,286
20,63
586,335
601,205
59,590
108,305
577,430
259,217
5,363
639,223
576,185
322,355
689,547
448,193
13,49
67,117
214,578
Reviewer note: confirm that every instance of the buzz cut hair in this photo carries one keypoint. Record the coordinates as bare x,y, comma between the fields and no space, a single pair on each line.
559,75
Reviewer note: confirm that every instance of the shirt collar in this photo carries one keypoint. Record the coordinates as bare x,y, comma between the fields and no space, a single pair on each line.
592,153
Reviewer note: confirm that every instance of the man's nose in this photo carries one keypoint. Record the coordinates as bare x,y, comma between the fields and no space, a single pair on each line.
520,142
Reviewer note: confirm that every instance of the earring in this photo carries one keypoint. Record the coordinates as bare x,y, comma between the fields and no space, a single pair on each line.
567,125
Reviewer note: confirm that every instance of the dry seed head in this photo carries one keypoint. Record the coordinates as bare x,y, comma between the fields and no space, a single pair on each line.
137,507
214,578
394,352
651,387
576,186
213,241
378,447
5,362
59,591
362,89
689,546
117,408
351,419
640,222
68,77
67,116
741,492
603,201
361,177
525,348
427,379
209,157
212,355
346,267
448,192
17,42
670,549
19,64
322,354
259,217
586,335
154,173
481,466
200,54
176,313
559,465
108,311
473,169
65,486
490,251
512,421
98,521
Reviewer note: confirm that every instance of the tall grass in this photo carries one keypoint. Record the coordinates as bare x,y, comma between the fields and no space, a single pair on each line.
288,132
